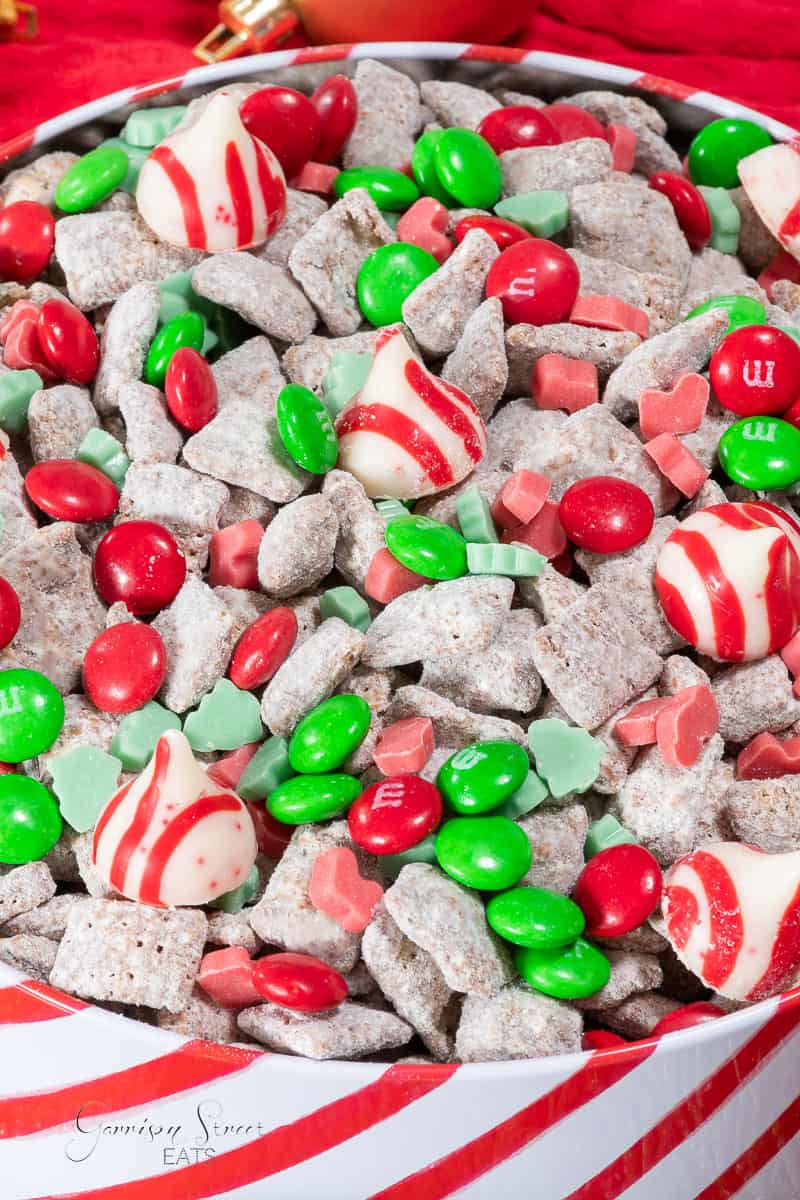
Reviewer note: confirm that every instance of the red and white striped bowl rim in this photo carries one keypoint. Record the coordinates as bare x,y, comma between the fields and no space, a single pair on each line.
96,1106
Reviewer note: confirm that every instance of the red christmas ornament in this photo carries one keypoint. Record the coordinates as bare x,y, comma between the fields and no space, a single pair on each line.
503,233
70,490
140,563
190,389
617,890
691,210
756,371
298,981
286,121
9,613
572,122
124,667
69,342
536,281
517,126
27,235
606,515
337,107
395,814
263,647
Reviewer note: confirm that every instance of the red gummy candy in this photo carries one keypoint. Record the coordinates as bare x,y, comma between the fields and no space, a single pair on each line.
686,724
298,981
227,977
272,836
680,410
622,141
609,312
767,758
227,771
124,667
315,177
638,726
337,889
70,490
405,746
395,814
263,647
617,890
387,578
520,499
140,563
233,555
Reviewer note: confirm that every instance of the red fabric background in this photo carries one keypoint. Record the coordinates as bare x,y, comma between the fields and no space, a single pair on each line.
746,49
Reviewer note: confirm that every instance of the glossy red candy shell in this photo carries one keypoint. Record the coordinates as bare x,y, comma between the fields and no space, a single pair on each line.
517,126
262,648
141,564
687,1017
755,371
503,233
691,210
606,515
337,105
536,281
298,981
617,890
601,1039
27,234
70,490
286,121
124,667
69,342
272,836
190,389
573,122
395,814
9,613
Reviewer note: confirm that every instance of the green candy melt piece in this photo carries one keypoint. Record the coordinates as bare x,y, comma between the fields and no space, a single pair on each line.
719,147
345,376
306,429
475,516
103,451
605,833
516,561
741,310
138,732
148,126
761,453
137,156
488,853
525,799
346,603
84,780
566,972
313,798
424,851
725,219
234,901
391,190
468,168
16,391
31,714
91,179
226,718
328,734
428,547
541,213
268,769
389,509
187,329
536,917
481,776
388,276
30,823
567,758
424,168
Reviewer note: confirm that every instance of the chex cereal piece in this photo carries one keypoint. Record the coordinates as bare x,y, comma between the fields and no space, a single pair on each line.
438,309
349,1031
654,153
326,260
611,107
500,676
638,1016
678,410
757,246
767,758
18,520
58,420
200,1018
609,312
389,114
37,180
242,447
517,1023
361,532
431,621
48,919
557,837
296,550
387,579
520,498
184,501
753,698
631,974
24,888
632,225
457,104
302,210
564,383
404,747
199,635
310,674
659,296
337,889
715,274
105,254
127,333
508,96
309,362
680,672
53,637
478,365
244,505
232,929
113,950
449,922
563,167
703,443
677,463
452,725
81,846
765,813
30,953
605,349
251,372
710,493
150,436
786,295
550,593
263,294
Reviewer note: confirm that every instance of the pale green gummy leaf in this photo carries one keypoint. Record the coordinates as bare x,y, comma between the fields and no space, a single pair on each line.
234,902
604,833
136,160
16,390
424,851
525,799
345,376
178,296
268,768
475,516
148,126
138,732
725,219
227,718
567,758
103,451
348,605
513,560
542,213
84,780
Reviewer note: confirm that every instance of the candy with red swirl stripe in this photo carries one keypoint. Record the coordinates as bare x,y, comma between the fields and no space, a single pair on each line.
211,185
407,433
173,836
728,579
771,179
732,915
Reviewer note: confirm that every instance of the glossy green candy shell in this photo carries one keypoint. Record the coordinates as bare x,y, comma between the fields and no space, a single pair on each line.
468,168
31,714
137,155
313,798
391,190
306,429
92,178
30,823
566,972
329,734
741,310
428,547
761,453
532,916
424,168
487,853
479,777
717,149
187,329
387,278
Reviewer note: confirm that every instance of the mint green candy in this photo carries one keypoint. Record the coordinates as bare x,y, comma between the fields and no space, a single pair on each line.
306,429
424,168
16,391
428,547
792,330
424,851
566,972
103,451
741,310
567,758
329,734
178,296
536,917
518,562
148,126
268,768
345,376
313,798
187,329
210,341
392,219
488,853
475,516
226,718
541,213
138,732
479,777
388,276
84,780
605,833
761,453
389,509
234,902
137,156
725,219
391,190
31,714
346,603
30,823
525,799
91,179
468,168
719,147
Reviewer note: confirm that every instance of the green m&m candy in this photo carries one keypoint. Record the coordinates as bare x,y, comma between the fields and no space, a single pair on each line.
136,156
424,168
92,178
187,329
532,916
329,734
30,823
741,310
761,453
483,775
566,972
306,429
391,190
468,168
488,853
387,278
31,714
428,547
312,798
718,148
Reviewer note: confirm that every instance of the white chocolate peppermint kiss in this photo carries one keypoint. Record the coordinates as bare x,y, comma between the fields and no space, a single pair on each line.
732,916
728,579
211,185
172,836
771,178
407,433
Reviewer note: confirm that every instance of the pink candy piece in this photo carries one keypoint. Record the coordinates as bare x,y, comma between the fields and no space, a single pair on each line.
677,464
20,310
227,771
424,225
387,578
316,177
337,889
561,382
19,337
638,726
609,312
622,141
404,747
227,976
680,410
767,758
544,533
520,499
233,554
686,724
791,654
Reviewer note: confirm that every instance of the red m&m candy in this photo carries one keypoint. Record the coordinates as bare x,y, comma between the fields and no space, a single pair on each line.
262,648
536,282
27,234
573,122
395,814
601,1039
606,515
691,210
687,1016
272,836
337,106
9,613
298,981
756,371
124,667
286,121
68,341
503,233
190,389
140,563
70,490
617,890
516,126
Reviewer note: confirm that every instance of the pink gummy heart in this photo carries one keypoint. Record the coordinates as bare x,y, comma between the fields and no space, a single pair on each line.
686,724
233,555
680,410
424,225
638,726
227,977
622,141
767,758
520,499
21,310
404,747
387,578
677,464
227,771
544,533
559,382
337,889
609,312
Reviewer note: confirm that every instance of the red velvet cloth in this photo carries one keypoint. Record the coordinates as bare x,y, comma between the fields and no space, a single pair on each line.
746,49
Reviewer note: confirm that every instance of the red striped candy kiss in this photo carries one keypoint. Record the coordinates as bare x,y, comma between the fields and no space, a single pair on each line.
211,185
771,179
728,579
173,836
